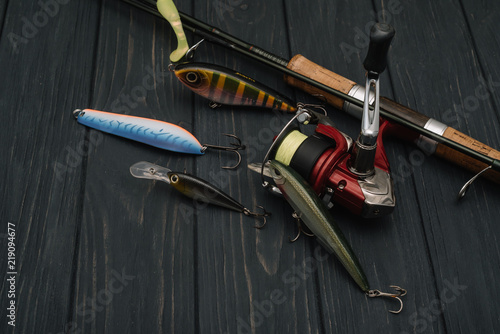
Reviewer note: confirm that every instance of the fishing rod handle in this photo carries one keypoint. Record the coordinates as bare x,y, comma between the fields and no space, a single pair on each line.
463,160
304,66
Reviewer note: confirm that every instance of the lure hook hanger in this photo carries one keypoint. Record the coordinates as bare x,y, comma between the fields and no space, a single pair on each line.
263,215
233,148
400,292
466,186
190,53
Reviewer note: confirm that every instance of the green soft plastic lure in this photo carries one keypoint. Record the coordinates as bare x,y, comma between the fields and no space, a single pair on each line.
225,86
314,213
169,12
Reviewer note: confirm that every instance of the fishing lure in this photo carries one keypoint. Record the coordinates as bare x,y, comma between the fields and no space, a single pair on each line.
156,133
169,12
224,86
193,187
313,212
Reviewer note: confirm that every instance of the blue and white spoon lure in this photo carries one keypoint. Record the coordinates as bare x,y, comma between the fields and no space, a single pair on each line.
156,133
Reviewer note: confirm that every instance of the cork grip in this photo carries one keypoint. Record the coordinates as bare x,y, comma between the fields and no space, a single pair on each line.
304,66
465,161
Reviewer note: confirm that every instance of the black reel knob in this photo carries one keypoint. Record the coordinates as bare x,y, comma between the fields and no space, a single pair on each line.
381,35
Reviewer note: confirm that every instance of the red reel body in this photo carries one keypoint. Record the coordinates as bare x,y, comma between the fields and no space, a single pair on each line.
332,178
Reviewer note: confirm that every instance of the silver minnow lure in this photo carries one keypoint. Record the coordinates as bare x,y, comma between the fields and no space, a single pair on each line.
315,215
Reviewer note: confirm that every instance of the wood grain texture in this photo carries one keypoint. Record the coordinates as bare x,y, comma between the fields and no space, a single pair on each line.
42,158
454,73
99,251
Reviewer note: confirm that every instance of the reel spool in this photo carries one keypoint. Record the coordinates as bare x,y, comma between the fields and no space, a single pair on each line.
301,152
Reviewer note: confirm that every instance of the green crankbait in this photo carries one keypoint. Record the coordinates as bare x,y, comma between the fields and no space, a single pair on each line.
225,86
193,187
314,213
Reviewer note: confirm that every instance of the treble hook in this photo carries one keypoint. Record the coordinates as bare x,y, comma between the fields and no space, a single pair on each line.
400,292
300,229
233,148
249,213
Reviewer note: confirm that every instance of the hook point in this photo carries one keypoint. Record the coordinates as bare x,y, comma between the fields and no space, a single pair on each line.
400,292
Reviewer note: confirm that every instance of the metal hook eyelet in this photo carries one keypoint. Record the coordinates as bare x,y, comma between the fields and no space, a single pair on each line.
258,215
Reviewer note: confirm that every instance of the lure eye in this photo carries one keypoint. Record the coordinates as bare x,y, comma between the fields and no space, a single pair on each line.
174,178
277,172
193,78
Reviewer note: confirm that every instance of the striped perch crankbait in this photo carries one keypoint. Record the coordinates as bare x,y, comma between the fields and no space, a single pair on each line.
225,86
156,133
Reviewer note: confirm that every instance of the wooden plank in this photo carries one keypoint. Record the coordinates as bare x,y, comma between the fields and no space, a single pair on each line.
3,12
42,156
242,287
136,260
483,23
457,234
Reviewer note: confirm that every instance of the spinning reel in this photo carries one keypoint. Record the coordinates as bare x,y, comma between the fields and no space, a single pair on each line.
354,174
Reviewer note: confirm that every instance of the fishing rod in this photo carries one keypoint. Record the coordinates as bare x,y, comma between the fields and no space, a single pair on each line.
431,135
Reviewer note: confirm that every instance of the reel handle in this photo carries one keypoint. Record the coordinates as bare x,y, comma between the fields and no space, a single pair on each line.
381,35
362,161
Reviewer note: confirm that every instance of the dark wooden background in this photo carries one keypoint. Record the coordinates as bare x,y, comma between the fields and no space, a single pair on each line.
98,251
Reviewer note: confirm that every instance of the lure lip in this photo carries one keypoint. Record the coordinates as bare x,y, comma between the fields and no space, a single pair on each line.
147,170
278,178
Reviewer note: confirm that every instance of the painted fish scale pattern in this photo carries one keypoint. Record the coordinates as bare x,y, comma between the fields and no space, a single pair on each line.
149,131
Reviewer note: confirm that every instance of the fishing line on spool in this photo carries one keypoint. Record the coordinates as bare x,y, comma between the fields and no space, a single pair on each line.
289,145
